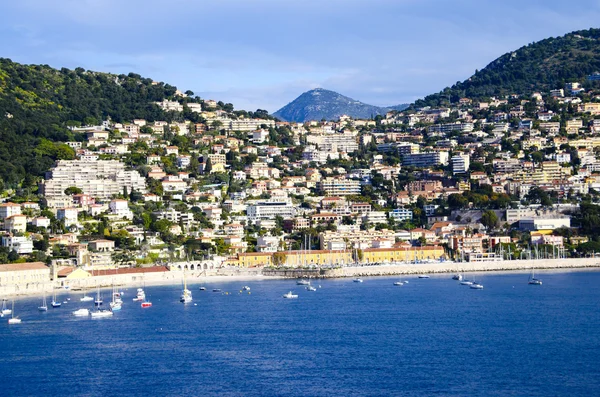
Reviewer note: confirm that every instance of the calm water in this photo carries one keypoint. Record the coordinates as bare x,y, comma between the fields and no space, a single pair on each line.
429,337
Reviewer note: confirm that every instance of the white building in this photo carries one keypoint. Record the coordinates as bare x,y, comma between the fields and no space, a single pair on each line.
427,159
270,209
9,209
340,186
260,136
401,214
99,179
69,215
374,217
460,164
121,209
267,243
20,244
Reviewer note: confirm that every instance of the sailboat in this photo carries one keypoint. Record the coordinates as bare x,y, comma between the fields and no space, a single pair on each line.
54,302
476,285
44,307
186,294
146,303
5,310
99,313
533,280
116,300
13,319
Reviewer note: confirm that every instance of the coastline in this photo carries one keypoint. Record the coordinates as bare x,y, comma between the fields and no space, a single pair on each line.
175,277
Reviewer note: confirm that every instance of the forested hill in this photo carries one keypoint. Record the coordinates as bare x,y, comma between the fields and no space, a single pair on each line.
540,66
38,102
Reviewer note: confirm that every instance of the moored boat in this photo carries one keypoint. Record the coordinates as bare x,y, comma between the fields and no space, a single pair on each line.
290,295
5,310
81,313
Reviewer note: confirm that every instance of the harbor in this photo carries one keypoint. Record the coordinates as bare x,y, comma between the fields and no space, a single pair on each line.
174,274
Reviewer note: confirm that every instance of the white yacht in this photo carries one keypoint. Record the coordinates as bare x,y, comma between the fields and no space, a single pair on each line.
423,276
476,286
310,288
246,288
289,295
302,282
140,296
100,313
86,298
398,283
466,282
358,280
81,313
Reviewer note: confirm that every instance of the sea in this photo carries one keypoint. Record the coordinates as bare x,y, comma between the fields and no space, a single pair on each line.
429,337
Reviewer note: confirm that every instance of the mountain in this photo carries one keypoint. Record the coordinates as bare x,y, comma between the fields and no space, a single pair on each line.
321,104
540,66
38,103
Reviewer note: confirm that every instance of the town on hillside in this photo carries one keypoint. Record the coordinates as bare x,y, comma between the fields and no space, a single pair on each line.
509,178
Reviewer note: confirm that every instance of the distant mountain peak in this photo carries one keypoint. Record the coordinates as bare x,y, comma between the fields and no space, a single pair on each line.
320,103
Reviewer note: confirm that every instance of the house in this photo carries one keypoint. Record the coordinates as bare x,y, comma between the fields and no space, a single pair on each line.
9,209
120,208
101,245
69,215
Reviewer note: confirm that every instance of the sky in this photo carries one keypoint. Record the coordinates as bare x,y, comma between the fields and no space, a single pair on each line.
262,54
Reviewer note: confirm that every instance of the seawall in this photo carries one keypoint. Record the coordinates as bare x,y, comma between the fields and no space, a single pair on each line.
437,267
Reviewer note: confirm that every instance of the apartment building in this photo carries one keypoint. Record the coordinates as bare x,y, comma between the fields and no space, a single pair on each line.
270,209
248,125
361,239
401,214
335,186
99,179
334,142
427,159
460,164
447,128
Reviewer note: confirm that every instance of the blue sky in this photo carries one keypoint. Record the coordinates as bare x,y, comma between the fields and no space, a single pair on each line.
264,53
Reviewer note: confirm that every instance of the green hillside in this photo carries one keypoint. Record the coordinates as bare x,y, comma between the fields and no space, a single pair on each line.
540,66
38,103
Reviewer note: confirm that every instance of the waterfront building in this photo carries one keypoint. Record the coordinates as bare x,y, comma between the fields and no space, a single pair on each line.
21,274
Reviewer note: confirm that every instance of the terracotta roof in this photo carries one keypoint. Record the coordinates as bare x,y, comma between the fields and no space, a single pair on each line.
11,267
65,271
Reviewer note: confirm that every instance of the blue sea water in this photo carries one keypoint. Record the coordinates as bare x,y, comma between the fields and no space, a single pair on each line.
428,337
